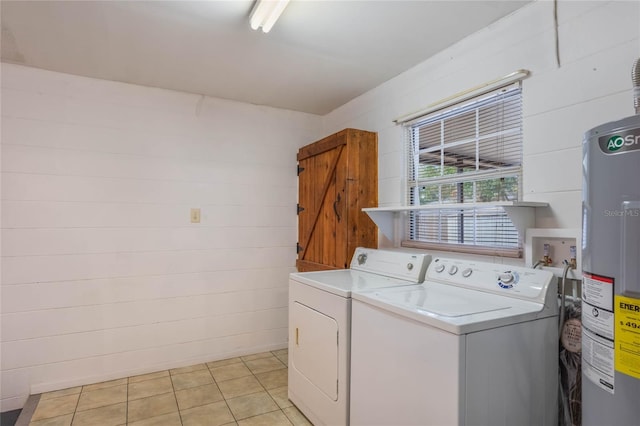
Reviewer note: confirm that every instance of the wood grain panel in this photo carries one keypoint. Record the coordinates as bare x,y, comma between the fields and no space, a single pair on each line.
342,180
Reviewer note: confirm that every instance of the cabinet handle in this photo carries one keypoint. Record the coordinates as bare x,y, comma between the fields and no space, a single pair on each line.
335,207
296,336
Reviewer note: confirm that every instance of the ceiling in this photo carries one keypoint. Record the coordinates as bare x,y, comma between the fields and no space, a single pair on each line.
319,55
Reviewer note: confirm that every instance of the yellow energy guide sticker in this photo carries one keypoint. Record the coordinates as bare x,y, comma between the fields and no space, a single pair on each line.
627,335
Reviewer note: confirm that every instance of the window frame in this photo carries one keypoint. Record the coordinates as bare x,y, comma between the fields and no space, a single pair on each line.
504,231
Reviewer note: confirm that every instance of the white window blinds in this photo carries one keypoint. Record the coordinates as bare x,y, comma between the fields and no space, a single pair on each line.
469,153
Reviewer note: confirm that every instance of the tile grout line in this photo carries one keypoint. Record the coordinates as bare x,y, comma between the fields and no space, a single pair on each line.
265,389
175,397
287,368
224,398
149,396
242,361
75,410
216,383
126,405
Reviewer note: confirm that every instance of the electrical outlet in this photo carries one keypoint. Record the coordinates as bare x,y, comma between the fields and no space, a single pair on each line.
552,247
195,215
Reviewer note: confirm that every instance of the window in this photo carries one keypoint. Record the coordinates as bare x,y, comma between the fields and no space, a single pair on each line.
467,154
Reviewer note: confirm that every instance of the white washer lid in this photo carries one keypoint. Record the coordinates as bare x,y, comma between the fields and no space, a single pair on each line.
453,309
343,281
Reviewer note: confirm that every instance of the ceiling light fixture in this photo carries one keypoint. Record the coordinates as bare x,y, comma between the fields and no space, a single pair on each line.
265,13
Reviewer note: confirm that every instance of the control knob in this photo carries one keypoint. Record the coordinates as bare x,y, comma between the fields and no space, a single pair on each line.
453,270
440,268
506,277
362,258
467,272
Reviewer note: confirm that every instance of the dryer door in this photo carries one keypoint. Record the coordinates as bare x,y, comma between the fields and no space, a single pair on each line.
315,348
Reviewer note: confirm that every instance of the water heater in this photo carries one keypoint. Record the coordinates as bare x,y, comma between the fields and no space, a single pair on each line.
611,271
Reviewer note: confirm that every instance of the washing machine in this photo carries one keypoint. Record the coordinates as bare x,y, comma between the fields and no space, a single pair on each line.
320,327
475,344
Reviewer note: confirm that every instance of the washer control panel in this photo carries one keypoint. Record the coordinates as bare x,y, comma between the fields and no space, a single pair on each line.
409,266
526,283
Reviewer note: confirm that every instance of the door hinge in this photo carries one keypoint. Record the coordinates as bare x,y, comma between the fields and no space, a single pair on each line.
300,209
298,248
300,170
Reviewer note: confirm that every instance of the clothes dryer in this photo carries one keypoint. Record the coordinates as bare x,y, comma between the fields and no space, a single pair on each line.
320,327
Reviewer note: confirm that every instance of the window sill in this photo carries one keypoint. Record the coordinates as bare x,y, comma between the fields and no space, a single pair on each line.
521,213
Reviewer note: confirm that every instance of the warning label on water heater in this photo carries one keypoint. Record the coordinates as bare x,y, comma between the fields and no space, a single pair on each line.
597,330
627,349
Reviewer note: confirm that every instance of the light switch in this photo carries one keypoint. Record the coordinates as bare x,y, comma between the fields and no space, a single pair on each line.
195,215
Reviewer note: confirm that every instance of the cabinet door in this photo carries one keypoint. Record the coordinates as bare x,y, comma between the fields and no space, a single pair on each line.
315,348
322,216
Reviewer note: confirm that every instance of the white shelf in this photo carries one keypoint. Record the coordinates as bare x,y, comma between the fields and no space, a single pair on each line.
454,206
521,213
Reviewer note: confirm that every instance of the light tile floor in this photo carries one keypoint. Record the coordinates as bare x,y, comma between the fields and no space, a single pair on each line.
248,390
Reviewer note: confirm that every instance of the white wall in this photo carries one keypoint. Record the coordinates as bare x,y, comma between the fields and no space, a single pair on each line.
599,41
103,275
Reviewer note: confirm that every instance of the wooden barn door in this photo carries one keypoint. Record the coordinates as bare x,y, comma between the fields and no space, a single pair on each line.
322,205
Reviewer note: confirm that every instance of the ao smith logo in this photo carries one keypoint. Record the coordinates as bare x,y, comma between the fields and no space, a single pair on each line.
617,142
621,142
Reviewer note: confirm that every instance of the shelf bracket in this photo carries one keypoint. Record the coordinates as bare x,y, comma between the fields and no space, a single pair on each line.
385,221
522,218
